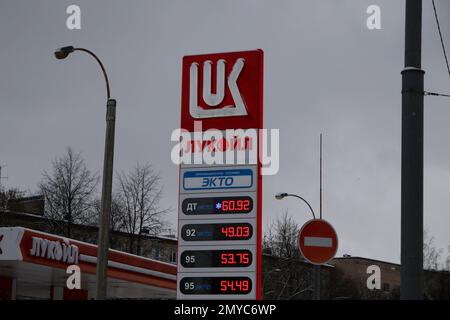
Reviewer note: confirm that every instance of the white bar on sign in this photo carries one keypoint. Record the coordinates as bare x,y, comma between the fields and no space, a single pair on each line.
218,182
318,242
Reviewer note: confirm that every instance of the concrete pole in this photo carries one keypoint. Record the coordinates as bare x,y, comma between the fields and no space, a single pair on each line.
104,225
411,286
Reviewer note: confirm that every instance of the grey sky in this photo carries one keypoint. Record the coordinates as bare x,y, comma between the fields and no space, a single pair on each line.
324,72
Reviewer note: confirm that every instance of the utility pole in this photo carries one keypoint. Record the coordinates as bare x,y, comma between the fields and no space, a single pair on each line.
1,177
316,274
103,238
412,157
3,196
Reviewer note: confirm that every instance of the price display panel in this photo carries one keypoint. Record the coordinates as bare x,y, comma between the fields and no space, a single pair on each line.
223,258
216,286
218,206
218,232
217,258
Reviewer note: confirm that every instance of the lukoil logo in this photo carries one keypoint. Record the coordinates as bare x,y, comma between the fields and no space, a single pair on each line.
213,100
227,147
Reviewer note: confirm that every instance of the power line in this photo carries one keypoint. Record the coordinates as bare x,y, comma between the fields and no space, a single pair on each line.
440,36
427,93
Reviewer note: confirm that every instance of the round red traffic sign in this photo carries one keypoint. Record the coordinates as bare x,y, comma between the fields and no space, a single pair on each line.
318,241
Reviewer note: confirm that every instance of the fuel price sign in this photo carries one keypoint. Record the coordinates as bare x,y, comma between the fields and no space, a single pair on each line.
230,258
207,206
217,205
217,232
216,285
217,258
219,213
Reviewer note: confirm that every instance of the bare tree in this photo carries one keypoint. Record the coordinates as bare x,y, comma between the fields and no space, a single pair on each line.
140,192
447,261
281,238
286,279
117,220
431,255
7,195
68,191
286,275
11,193
344,287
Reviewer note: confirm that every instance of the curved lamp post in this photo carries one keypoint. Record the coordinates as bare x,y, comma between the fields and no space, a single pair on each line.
280,196
103,237
63,52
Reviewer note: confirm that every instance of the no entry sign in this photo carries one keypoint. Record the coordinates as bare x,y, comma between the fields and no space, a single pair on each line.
318,241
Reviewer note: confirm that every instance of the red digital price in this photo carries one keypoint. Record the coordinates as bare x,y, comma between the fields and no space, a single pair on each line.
235,231
235,205
239,258
227,286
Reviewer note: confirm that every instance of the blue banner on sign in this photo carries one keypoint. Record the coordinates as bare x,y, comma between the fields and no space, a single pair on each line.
218,179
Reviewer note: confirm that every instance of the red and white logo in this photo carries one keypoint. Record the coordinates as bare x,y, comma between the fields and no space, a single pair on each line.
222,85
214,100
318,241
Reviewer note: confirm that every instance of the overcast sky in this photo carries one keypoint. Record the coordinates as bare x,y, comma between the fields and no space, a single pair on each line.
324,72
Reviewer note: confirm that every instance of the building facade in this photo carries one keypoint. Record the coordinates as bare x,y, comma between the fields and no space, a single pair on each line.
351,275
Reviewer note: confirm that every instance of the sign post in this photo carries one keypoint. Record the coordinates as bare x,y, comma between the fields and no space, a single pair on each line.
220,194
318,244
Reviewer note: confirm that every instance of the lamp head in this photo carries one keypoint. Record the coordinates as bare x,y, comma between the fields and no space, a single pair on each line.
280,196
63,52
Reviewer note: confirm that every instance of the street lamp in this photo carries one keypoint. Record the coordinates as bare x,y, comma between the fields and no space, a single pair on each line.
103,237
280,196
63,52
316,268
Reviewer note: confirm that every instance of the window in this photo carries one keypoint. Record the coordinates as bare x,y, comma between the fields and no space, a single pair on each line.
157,253
173,256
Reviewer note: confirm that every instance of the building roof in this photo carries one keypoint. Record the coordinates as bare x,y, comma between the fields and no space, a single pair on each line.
363,258
385,262
41,218
299,259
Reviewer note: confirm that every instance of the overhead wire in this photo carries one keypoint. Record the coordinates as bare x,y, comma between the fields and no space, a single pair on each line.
441,38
